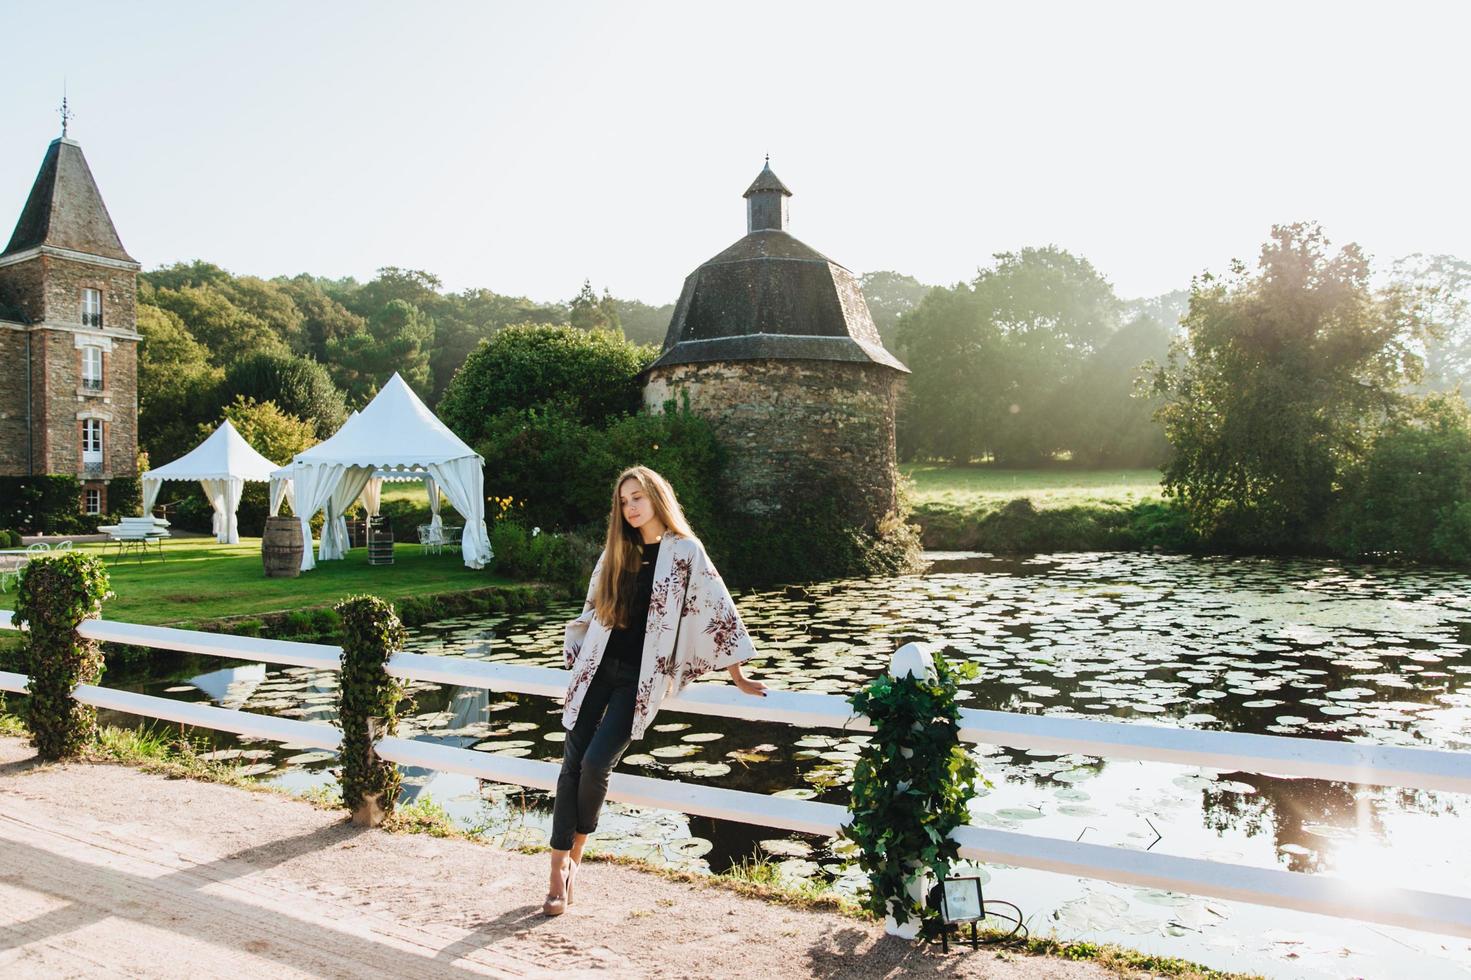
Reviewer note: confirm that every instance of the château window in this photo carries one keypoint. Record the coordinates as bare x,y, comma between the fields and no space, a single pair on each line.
91,307
92,439
94,500
92,368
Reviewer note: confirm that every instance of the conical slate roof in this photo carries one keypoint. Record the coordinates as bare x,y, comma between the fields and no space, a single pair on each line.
65,209
766,180
769,296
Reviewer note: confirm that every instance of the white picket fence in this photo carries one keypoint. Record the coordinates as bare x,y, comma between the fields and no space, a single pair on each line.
1422,769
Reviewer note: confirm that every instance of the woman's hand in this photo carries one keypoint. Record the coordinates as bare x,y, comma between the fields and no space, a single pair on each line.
745,684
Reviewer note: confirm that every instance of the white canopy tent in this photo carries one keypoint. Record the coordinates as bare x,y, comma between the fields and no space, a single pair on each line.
394,437
222,463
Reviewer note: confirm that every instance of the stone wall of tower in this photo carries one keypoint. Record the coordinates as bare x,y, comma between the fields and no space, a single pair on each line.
794,429
47,290
13,441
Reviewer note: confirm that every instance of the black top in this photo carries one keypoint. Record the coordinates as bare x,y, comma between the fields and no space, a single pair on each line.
627,645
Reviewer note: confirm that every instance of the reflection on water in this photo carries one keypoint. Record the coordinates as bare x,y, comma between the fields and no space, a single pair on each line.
1279,647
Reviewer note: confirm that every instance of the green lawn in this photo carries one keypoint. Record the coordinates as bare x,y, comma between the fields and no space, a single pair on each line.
938,484
200,580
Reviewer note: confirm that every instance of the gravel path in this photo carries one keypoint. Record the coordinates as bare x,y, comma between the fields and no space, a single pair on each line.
108,871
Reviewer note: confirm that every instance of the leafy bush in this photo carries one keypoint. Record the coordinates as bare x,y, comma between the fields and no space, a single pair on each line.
1411,495
41,504
9,539
56,594
560,471
540,556
591,373
125,496
298,386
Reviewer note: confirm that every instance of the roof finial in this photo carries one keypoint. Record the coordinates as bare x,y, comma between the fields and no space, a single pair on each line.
768,159
66,114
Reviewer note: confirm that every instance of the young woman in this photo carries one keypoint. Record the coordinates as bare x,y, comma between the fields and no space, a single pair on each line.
657,616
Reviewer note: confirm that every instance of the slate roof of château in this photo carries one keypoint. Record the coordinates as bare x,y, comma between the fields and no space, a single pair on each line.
65,209
769,296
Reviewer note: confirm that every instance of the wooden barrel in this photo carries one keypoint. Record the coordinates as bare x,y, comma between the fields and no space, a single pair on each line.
280,547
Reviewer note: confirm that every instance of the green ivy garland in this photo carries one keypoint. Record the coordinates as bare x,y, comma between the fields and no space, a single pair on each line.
367,705
911,787
56,594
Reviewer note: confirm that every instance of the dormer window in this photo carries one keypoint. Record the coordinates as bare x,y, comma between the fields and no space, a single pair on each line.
91,307
92,368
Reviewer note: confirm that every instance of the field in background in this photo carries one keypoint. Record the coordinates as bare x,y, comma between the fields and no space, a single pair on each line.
963,485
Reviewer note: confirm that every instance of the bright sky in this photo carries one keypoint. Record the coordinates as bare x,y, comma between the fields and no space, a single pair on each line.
523,147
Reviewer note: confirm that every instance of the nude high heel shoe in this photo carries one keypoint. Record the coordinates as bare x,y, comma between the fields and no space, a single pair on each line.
557,904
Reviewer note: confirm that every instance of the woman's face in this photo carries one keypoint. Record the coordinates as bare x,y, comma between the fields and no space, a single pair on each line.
638,510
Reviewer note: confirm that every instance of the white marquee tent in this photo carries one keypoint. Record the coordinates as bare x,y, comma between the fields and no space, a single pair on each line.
222,463
394,437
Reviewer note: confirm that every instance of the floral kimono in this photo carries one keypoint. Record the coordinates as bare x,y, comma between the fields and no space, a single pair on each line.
693,627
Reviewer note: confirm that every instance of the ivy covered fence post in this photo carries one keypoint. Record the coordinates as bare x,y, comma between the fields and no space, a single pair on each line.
55,595
912,786
367,706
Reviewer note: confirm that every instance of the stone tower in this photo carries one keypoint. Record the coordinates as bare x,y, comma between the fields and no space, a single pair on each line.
774,344
68,335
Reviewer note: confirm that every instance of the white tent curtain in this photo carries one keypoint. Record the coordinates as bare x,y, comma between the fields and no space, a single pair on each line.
150,495
224,497
436,523
334,529
313,486
463,482
280,490
373,496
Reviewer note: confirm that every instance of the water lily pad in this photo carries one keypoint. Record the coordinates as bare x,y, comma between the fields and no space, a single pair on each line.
796,793
784,847
674,751
701,737
307,758
258,769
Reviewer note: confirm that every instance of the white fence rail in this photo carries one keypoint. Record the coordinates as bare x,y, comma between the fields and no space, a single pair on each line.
1424,769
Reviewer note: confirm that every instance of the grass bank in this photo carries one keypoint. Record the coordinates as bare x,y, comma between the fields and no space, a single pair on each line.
979,508
221,588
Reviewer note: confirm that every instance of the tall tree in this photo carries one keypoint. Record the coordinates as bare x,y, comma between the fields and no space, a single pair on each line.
589,312
1279,384
1442,284
988,357
890,295
298,386
398,339
176,384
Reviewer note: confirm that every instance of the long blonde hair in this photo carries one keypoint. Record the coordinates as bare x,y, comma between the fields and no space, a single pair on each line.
624,546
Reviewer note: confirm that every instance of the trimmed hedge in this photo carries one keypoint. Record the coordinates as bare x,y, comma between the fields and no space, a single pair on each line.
56,594
367,706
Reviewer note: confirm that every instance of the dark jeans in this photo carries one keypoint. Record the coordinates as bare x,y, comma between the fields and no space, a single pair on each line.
593,747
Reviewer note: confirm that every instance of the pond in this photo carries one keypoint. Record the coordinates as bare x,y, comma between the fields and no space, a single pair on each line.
1280,647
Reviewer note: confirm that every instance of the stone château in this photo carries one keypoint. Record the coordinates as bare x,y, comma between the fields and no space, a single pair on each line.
773,343
68,335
